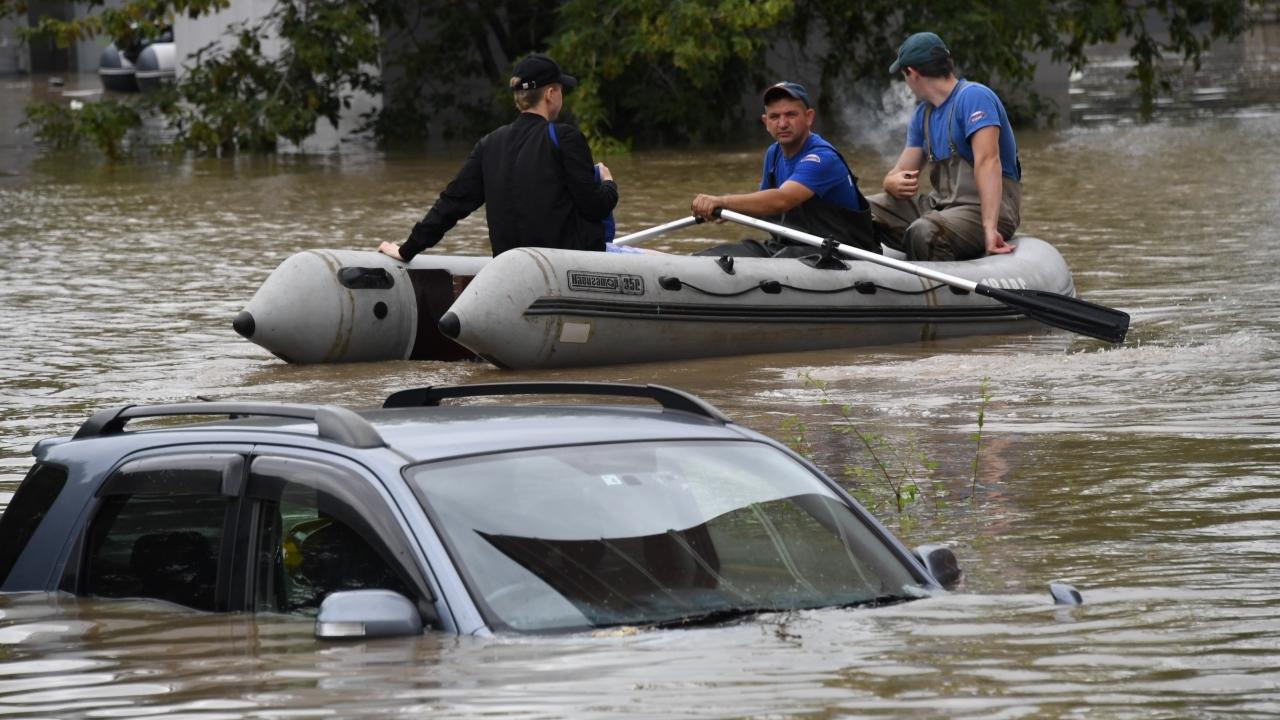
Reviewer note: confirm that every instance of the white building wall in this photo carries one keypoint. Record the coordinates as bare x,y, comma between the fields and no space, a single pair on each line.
88,53
190,36
13,55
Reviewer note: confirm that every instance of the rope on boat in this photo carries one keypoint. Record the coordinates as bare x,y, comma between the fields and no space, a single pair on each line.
773,287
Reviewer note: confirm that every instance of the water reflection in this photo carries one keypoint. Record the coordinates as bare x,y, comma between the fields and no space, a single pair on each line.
958,656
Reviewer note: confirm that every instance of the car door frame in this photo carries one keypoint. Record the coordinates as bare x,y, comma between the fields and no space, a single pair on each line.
69,571
234,555
430,599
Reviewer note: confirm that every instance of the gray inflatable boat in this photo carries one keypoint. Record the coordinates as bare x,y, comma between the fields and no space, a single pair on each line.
533,307
328,306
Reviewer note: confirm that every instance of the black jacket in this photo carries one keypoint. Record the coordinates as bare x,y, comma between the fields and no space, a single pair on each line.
535,194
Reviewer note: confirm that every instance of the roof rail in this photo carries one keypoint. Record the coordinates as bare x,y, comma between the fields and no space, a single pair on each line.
669,398
332,423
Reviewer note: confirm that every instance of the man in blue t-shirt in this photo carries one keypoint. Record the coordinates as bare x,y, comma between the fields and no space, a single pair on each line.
960,136
806,184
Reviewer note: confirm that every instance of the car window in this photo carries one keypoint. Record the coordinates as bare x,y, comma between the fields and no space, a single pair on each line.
577,537
159,529
312,538
25,511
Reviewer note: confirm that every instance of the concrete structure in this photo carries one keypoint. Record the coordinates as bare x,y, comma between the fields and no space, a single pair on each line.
43,56
14,58
191,35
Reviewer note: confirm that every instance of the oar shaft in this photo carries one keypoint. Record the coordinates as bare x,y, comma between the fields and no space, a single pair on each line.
643,235
1069,313
849,251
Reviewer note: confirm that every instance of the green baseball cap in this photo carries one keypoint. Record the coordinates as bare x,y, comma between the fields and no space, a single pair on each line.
919,49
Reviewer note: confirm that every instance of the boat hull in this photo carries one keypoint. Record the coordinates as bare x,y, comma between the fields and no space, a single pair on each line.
329,306
540,308
157,65
116,72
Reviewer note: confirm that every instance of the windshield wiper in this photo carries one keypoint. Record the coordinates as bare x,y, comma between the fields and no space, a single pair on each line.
721,616
880,601
710,617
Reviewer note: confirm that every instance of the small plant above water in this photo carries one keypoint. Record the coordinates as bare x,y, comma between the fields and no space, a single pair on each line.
896,470
902,468
106,124
984,394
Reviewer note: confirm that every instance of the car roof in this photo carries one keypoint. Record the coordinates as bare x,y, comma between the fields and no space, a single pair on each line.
414,425
432,433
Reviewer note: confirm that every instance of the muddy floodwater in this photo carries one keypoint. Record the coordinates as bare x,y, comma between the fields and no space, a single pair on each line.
1147,475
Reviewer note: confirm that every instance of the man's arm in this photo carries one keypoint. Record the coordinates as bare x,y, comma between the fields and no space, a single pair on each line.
903,180
459,199
762,203
985,144
593,199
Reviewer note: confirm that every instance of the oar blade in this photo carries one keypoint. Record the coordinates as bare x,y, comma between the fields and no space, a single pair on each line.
1068,313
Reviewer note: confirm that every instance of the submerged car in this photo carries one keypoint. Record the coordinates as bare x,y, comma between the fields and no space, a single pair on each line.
466,519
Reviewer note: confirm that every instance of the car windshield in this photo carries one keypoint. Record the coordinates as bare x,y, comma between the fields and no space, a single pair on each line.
652,534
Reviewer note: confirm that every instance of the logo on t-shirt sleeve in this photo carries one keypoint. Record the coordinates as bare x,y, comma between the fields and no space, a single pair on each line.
811,157
977,115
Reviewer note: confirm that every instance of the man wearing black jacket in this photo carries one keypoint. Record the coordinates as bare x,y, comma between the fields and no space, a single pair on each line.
534,176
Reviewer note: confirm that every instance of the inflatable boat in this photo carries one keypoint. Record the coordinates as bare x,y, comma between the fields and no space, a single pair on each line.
328,306
143,65
536,307
116,70
156,65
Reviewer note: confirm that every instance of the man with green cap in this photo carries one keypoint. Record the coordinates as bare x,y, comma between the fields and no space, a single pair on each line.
960,137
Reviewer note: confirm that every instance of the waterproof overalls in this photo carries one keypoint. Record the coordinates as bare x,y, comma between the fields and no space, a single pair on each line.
824,218
946,224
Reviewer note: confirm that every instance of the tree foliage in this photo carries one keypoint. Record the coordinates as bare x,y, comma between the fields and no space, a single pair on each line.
103,124
992,40
237,96
446,63
651,71
660,71
133,20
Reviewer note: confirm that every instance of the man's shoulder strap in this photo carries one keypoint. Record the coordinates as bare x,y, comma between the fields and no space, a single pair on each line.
771,163
820,141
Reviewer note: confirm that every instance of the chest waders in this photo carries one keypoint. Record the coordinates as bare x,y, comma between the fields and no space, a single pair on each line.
827,219
946,224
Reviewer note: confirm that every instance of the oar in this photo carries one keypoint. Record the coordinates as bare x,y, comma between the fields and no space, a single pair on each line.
1054,309
643,235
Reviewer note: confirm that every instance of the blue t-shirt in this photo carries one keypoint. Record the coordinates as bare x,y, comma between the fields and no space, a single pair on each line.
976,107
818,167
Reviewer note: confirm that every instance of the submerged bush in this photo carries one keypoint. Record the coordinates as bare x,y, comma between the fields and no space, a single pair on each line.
104,123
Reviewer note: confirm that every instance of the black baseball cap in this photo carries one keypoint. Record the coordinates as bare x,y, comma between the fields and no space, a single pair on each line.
789,89
537,71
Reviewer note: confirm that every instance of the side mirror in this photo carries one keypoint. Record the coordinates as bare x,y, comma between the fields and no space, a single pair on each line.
367,614
941,564
1064,594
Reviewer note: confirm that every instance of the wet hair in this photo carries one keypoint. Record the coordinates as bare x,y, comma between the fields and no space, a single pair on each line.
940,68
526,99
